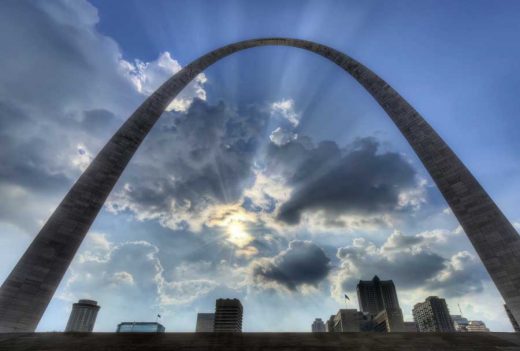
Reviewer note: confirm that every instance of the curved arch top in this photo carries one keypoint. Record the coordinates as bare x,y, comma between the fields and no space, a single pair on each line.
29,288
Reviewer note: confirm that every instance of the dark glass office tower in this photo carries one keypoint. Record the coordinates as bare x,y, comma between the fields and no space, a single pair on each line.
379,298
228,316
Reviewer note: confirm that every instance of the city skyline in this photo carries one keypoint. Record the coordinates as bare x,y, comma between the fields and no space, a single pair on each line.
230,315
143,249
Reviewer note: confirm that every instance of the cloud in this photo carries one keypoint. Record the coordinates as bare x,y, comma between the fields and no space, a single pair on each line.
284,110
148,76
123,278
135,269
281,137
63,94
413,262
212,153
302,263
358,180
463,274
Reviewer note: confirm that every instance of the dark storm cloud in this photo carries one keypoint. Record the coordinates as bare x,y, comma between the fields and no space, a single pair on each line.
412,262
409,270
25,161
100,122
302,263
60,78
325,177
464,274
193,160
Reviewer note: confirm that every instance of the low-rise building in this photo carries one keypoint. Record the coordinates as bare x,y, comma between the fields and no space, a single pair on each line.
388,321
410,327
329,325
349,320
477,326
205,322
460,323
318,326
140,327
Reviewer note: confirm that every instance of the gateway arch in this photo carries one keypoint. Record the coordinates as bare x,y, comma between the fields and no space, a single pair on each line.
29,288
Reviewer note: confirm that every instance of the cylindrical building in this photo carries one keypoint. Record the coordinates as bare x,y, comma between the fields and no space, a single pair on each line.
83,316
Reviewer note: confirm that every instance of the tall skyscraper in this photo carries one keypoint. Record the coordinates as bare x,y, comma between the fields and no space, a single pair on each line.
433,315
460,323
318,326
228,316
376,295
512,319
83,316
379,298
477,326
205,322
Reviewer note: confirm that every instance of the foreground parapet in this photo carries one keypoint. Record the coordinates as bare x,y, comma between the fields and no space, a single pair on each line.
261,341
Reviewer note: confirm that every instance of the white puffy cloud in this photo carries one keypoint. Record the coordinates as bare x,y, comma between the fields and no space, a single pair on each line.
124,278
66,92
413,198
136,267
146,77
285,110
280,136
83,158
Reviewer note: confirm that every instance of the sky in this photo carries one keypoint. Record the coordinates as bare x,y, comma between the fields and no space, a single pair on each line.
273,177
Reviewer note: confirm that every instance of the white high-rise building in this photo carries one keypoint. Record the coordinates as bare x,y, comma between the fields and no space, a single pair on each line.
83,316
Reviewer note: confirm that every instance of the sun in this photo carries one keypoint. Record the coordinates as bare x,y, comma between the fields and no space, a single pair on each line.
238,235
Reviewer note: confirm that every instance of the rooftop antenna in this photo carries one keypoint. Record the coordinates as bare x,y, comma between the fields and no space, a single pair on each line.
460,309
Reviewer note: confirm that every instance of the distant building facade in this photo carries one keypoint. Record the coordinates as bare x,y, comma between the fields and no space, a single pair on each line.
433,315
512,319
83,316
460,323
349,320
318,326
388,321
228,315
379,299
329,325
477,326
410,327
205,322
140,327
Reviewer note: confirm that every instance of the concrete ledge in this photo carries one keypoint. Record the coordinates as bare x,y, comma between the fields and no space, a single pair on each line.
261,341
